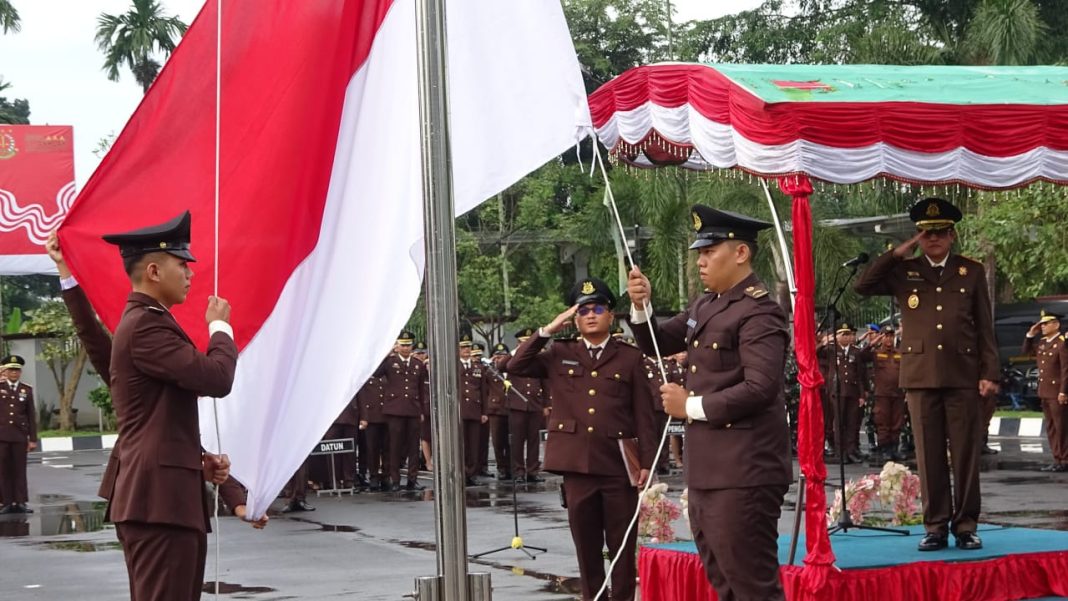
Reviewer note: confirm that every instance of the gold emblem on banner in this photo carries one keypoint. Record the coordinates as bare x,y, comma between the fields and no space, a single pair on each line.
914,301
963,271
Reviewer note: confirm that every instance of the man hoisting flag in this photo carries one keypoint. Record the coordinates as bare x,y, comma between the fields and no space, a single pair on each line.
320,173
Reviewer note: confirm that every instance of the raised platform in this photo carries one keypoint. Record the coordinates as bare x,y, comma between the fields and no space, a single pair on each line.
1015,563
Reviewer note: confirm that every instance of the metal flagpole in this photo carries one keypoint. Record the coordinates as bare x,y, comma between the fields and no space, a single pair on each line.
442,309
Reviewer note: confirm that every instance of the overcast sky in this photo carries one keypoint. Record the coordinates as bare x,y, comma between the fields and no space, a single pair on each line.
54,63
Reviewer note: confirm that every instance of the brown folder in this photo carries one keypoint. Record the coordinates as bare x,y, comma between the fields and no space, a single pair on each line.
628,449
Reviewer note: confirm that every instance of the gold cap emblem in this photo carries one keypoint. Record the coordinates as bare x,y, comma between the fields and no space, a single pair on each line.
933,210
587,287
163,245
696,221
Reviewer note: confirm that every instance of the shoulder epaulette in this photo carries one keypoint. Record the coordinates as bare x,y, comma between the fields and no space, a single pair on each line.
155,309
970,260
756,292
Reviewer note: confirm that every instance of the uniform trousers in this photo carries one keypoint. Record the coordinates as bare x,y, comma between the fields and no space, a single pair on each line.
13,473
502,452
847,412
164,562
472,440
1056,416
403,446
525,426
483,447
377,436
736,532
599,508
889,415
828,418
298,483
940,415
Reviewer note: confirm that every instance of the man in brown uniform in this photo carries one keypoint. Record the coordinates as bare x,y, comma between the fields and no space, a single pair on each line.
371,400
601,402
156,492
18,436
889,407
1051,355
497,411
484,432
422,353
528,407
403,377
472,398
948,360
845,389
655,380
737,438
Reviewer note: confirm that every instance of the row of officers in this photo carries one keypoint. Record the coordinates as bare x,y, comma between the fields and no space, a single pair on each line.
389,418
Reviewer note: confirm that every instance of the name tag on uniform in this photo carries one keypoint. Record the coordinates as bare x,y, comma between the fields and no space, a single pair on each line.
569,362
691,323
914,276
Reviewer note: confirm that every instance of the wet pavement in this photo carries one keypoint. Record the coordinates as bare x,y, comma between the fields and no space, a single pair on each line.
373,546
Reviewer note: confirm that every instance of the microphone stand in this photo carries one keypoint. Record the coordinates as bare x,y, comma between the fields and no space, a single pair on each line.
517,541
845,519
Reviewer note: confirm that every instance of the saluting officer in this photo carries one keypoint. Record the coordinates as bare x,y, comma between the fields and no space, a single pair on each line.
497,411
403,377
1051,354
737,438
18,436
528,407
949,359
601,403
847,394
156,490
472,397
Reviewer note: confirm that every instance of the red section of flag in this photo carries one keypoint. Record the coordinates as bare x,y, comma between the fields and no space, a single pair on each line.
36,184
286,66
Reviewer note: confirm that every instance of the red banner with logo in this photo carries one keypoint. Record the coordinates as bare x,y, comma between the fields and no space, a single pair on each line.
36,190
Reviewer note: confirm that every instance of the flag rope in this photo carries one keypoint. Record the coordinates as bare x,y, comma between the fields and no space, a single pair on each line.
215,266
611,202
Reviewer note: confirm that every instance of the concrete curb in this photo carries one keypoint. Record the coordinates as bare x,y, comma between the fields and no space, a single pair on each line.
1024,427
77,443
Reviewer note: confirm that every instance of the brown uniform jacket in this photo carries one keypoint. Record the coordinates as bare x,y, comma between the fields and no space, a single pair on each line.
947,322
495,392
595,403
156,376
1052,359
472,391
18,415
886,370
736,345
851,366
655,380
371,401
531,388
402,385
91,333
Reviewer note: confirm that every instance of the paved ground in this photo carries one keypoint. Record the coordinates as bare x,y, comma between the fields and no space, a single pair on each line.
373,546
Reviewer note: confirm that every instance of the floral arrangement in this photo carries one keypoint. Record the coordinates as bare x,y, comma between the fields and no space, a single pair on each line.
656,512
895,490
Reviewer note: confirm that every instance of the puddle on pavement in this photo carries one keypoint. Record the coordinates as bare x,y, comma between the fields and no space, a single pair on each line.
1018,480
553,583
81,546
322,526
55,518
227,588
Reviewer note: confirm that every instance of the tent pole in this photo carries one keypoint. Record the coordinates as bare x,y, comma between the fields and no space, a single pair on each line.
783,248
442,305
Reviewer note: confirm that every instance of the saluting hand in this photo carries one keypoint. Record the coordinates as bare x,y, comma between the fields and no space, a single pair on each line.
907,248
674,400
560,321
638,287
218,309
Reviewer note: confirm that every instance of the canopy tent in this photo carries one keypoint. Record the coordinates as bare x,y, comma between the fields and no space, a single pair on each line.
982,127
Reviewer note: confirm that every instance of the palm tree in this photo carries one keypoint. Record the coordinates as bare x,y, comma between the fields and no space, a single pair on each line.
9,17
1006,32
132,38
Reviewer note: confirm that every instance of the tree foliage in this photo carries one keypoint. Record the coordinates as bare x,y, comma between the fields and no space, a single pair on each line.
15,111
61,351
136,38
9,18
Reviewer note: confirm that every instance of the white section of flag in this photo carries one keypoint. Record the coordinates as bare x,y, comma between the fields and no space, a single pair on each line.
517,100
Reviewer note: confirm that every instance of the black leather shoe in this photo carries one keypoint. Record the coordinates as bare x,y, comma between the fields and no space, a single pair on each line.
534,478
502,476
933,542
855,457
297,505
414,485
986,450
969,541
8,509
471,482
1048,468
395,488
1060,467
21,508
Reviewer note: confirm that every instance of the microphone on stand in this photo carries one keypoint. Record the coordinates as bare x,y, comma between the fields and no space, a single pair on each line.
860,259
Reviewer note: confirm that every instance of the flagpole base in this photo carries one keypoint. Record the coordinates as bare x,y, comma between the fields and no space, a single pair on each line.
429,588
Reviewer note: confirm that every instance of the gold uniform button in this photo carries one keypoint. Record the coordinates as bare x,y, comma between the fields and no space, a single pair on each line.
591,411
938,307
910,349
590,429
715,345
728,426
616,376
962,291
570,372
696,343
938,327
593,373
593,392
939,347
939,289
559,426
693,369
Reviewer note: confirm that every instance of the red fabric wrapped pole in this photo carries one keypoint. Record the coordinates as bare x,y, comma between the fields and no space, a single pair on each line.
819,559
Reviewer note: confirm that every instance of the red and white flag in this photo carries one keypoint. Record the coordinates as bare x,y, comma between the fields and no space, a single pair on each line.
36,191
320,228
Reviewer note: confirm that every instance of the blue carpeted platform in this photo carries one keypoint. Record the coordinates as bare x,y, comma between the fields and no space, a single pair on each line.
859,549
